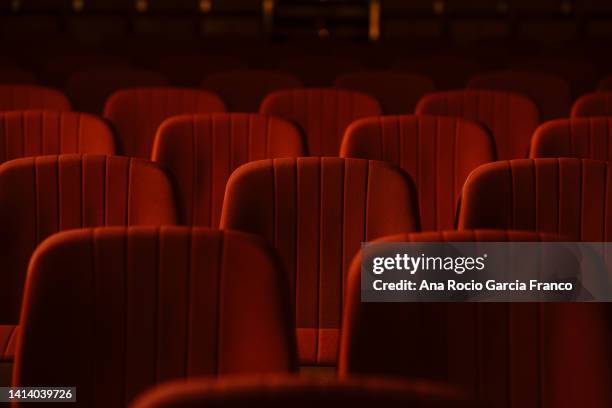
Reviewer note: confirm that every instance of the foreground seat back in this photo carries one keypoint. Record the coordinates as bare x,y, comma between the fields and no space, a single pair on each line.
201,151
38,133
510,117
316,212
583,138
565,196
593,104
144,305
551,93
281,392
323,114
136,113
438,153
518,355
43,195
17,97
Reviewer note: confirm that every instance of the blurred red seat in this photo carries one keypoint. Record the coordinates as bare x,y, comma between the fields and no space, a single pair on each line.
190,70
447,71
144,305
319,70
323,114
136,113
438,152
316,212
510,117
397,91
201,151
17,97
593,104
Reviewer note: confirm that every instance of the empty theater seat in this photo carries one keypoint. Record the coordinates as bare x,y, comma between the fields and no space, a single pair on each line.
37,133
89,89
447,72
531,354
136,113
565,196
43,195
316,212
584,138
323,114
144,305
550,92
510,117
201,151
593,104
397,91
15,97
291,391
244,89
438,153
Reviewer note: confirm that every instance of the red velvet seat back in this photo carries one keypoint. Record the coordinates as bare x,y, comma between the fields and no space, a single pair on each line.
291,391
144,305
323,114
17,97
564,196
201,151
551,93
527,355
316,212
593,104
438,153
38,133
584,138
136,113
43,195
510,117
397,91
244,89
89,89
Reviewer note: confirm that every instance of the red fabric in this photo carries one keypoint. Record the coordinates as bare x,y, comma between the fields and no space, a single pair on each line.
37,133
525,355
293,391
438,153
114,311
593,104
584,138
201,151
447,71
397,91
323,114
43,195
316,212
510,117
15,97
551,93
8,339
244,89
563,196
89,89
136,113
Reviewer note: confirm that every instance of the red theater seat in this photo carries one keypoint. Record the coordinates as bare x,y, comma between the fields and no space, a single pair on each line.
41,196
319,71
593,104
136,113
323,114
244,89
201,151
550,92
16,97
520,354
124,309
438,152
89,89
510,117
564,196
584,138
190,70
397,91
37,133
447,72
316,212
291,391
57,70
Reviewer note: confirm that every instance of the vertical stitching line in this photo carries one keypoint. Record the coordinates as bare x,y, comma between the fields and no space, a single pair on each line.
220,264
